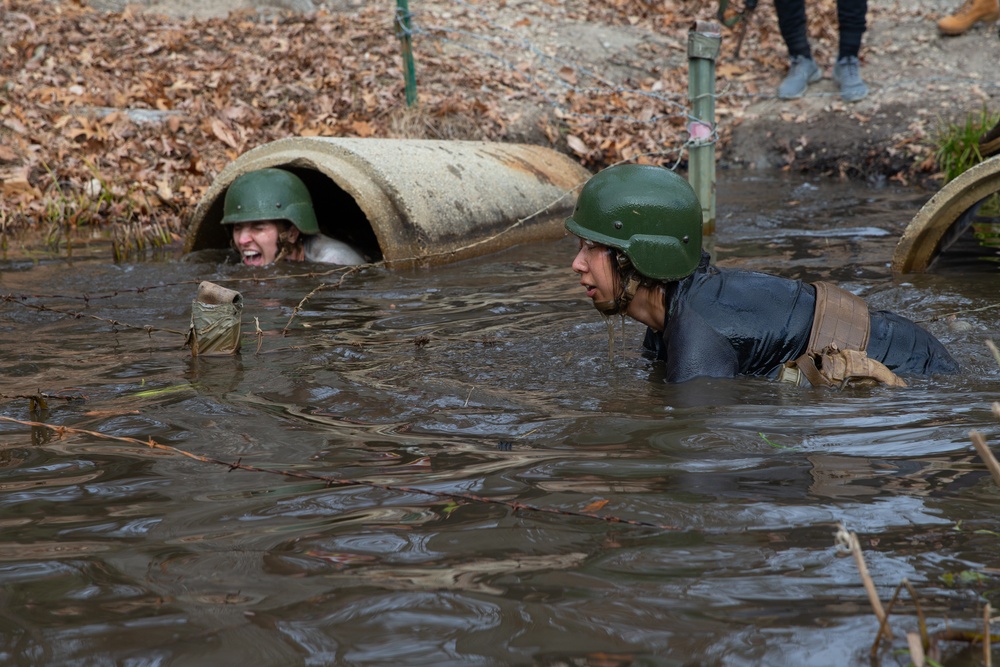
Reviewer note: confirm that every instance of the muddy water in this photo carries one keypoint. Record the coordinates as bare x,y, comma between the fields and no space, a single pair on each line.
490,378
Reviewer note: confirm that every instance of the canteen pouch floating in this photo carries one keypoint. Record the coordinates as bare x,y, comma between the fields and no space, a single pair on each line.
215,320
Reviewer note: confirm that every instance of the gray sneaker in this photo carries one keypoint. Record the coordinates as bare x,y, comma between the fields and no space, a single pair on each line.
847,72
801,73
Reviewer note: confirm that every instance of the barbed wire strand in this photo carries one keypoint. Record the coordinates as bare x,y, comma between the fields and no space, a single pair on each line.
78,315
513,505
607,87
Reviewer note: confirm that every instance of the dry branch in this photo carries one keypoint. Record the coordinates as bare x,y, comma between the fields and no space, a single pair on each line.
849,542
337,481
979,442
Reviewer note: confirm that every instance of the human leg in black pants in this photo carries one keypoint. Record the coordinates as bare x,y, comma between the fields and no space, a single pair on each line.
851,21
847,72
802,69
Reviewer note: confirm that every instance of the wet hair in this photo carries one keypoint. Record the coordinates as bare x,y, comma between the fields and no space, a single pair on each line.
625,280
622,270
618,302
285,246
622,273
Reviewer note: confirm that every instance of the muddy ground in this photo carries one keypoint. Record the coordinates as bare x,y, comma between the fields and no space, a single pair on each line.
919,81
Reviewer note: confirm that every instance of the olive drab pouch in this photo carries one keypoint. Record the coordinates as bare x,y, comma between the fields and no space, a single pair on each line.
835,356
215,320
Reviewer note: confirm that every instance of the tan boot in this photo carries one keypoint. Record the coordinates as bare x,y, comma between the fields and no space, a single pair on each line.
968,14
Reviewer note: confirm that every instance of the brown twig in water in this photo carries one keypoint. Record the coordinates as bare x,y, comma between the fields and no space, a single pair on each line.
923,637
987,658
87,297
849,541
921,620
979,442
45,396
321,286
938,318
916,649
335,481
964,636
259,333
993,349
920,643
882,625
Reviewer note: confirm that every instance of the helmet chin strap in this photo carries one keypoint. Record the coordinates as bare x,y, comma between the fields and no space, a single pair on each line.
631,283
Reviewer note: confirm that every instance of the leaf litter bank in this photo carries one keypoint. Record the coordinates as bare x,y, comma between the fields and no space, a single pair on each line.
121,119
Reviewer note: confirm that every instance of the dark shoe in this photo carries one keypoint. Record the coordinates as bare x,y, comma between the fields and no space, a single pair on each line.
847,72
989,143
801,73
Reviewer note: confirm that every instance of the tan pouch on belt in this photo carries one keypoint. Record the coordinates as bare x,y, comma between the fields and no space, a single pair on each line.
836,354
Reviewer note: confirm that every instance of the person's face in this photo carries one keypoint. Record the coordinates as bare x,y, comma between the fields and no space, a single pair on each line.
593,265
257,242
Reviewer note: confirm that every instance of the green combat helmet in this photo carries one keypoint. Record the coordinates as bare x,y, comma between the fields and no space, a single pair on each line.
649,213
270,194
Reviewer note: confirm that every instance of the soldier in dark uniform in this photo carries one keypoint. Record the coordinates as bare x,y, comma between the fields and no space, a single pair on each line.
641,255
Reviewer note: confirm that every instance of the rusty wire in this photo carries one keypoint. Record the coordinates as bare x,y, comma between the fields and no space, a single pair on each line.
149,329
513,505
23,299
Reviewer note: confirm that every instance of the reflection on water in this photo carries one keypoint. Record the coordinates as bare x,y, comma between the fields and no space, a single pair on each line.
487,378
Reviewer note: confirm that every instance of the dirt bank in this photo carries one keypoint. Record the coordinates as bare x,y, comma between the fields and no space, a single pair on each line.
918,79
143,103
919,82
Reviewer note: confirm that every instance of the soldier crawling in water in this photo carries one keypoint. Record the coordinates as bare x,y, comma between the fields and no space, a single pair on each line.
272,218
640,231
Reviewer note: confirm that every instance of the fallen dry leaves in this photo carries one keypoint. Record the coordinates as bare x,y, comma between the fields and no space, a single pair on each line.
130,115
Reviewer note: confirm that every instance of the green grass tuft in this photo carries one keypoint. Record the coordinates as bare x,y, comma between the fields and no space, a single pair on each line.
958,143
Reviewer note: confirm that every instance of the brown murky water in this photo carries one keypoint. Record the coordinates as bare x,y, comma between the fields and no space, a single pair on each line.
489,378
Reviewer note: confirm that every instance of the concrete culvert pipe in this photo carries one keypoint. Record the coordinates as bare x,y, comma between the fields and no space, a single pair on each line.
945,217
412,202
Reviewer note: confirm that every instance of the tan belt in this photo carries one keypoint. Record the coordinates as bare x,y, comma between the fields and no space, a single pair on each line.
837,343
840,319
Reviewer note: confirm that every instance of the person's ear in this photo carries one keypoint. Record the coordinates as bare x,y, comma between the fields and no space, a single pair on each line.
293,233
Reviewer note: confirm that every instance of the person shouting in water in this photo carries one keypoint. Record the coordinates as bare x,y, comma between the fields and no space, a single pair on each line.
272,218
640,231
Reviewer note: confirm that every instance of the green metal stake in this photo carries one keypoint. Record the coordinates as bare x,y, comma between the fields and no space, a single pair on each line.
704,43
403,32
